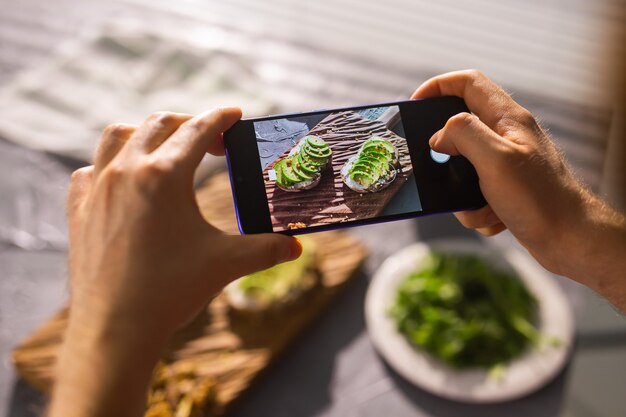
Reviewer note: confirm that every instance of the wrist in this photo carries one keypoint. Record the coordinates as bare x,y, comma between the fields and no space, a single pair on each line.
103,363
115,317
595,253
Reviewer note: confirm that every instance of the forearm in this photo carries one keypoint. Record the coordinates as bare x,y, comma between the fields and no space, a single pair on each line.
597,253
103,370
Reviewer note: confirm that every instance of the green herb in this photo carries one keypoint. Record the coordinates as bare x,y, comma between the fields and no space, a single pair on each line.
466,313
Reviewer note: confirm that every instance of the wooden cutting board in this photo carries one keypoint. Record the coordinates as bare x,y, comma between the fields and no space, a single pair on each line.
331,201
232,349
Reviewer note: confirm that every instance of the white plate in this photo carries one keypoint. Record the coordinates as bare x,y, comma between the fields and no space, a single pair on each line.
524,375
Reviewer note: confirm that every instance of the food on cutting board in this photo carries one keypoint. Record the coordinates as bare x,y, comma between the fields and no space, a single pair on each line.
466,313
302,168
278,286
179,391
373,167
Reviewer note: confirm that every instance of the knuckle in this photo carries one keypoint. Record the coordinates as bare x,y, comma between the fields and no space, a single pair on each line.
460,121
509,154
153,174
520,118
164,119
475,74
512,156
196,125
81,173
113,172
204,121
526,119
111,176
199,124
117,130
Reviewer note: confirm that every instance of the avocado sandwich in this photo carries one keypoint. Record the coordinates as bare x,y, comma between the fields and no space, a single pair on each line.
373,167
302,168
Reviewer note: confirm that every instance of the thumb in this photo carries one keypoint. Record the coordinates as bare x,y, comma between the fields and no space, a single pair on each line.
255,253
465,134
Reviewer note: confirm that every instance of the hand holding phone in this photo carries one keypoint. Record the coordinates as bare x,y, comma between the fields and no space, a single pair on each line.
327,169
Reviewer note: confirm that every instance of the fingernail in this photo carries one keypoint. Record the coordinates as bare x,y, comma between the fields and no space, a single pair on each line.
296,249
434,140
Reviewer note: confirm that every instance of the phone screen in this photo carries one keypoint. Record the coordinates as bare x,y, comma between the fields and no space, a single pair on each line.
334,167
326,169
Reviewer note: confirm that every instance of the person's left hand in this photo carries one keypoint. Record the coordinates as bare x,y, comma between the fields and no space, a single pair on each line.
142,257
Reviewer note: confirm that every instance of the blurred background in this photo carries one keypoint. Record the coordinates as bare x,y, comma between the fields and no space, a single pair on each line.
70,67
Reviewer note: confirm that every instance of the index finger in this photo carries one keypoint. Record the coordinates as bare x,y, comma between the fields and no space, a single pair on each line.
198,135
483,97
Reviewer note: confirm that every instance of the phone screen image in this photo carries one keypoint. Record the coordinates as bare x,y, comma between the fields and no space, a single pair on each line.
326,168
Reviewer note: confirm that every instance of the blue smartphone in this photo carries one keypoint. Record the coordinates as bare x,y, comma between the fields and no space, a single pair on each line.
328,169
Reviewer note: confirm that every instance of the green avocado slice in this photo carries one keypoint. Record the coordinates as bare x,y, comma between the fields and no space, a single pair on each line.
306,166
366,166
369,168
380,145
297,169
381,166
288,173
280,176
313,157
373,153
362,178
315,142
323,152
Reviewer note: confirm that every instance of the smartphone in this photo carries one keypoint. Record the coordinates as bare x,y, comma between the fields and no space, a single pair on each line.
328,169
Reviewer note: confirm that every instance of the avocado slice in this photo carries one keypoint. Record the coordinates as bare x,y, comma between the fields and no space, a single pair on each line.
306,166
381,166
297,169
279,172
315,142
365,166
380,145
322,152
307,160
363,178
369,168
288,173
316,158
373,153
280,176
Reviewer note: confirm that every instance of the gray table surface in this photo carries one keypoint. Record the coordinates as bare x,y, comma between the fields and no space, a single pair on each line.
333,369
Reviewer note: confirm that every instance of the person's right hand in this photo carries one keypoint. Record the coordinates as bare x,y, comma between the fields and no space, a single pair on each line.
528,187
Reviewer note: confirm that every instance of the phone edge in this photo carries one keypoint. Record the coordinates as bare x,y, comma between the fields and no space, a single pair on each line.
232,189
316,111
